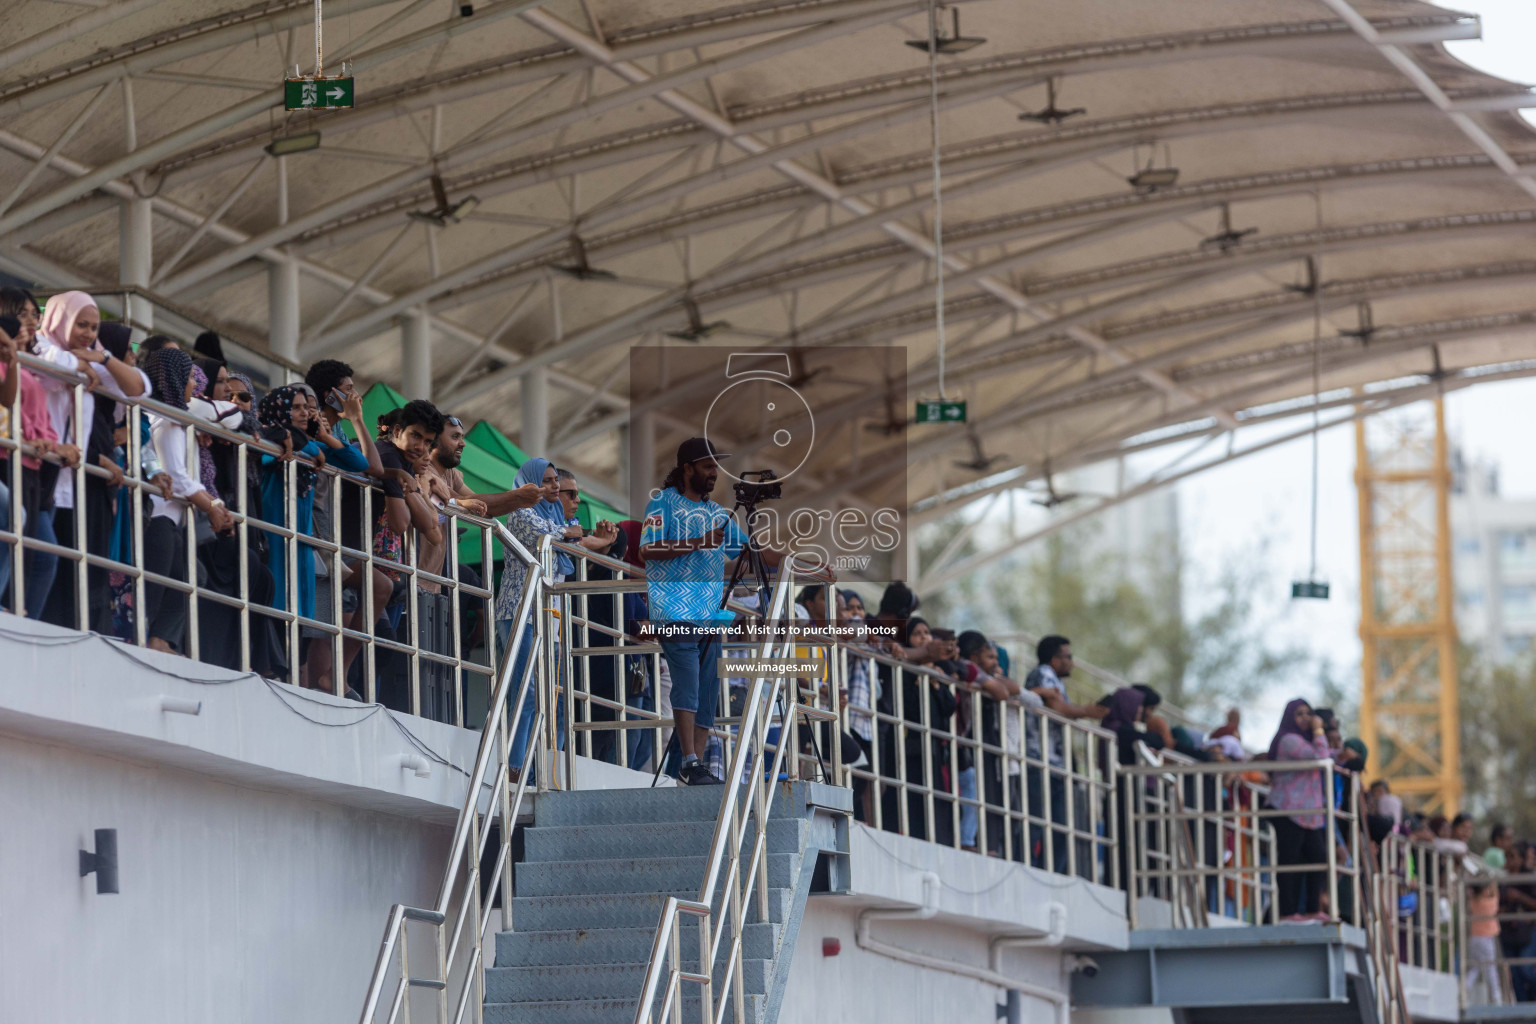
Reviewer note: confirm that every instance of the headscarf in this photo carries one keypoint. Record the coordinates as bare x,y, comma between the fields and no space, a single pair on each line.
207,472
630,528
209,368
168,370
114,337
532,472
247,422
907,628
60,315
1288,727
1124,707
275,414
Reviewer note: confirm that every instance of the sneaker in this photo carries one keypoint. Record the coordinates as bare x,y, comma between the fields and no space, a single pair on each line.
696,774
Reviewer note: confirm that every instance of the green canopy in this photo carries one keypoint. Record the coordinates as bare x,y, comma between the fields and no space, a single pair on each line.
489,466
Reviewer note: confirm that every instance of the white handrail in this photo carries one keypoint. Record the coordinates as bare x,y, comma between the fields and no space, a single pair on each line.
748,761
472,829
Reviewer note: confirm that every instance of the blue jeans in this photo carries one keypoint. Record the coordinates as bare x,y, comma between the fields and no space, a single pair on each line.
529,710
41,566
970,820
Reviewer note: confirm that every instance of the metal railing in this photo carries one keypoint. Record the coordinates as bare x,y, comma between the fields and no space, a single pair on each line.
1484,979
1032,786
744,810
438,661
1423,888
1182,817
458,922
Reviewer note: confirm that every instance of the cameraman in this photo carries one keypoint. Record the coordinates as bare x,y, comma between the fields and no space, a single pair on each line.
686,542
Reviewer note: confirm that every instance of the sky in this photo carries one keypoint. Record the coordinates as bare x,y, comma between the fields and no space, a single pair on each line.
1227,507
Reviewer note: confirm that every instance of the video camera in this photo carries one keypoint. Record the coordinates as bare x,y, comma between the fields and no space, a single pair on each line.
756,485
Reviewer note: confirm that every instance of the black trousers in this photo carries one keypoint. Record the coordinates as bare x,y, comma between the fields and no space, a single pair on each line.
1299,891
1058,817
93,514
165,609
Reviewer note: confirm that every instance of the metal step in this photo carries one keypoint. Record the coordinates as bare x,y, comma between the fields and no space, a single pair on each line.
617,910
596,981
628,806
653,874
619,945
604,1011
651,839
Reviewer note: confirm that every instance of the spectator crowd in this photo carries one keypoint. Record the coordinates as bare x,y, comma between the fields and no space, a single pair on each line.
927,756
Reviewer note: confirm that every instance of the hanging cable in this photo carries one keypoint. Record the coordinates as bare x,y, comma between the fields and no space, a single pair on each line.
938,194
1317,387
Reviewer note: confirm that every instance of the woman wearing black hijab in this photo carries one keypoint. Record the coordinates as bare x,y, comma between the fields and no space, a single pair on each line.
917,641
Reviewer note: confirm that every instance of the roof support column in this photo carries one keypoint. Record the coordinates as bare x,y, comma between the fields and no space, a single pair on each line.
637,457
416,354
534,398
135,258
283,309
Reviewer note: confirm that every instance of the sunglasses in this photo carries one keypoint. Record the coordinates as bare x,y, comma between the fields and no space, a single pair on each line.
571,493
242,396
454,421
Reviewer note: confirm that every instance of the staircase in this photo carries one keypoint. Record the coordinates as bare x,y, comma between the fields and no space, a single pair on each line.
598,867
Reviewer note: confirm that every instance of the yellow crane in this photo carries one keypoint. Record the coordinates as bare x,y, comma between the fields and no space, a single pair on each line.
1408,707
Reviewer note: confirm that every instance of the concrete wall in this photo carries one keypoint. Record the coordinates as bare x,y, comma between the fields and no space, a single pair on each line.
237,904
261,841
981,897
860,987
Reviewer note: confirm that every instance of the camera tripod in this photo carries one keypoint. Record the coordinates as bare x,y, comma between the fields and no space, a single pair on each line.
751,558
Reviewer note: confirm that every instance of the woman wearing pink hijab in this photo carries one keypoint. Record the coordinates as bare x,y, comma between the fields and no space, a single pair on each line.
67,339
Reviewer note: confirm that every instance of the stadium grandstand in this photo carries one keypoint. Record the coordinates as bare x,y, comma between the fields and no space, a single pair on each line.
461,466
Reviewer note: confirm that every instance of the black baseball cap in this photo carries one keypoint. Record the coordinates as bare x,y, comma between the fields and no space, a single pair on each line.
696,449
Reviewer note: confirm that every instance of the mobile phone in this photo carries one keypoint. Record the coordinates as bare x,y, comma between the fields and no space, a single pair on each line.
943,634
10,325
334,400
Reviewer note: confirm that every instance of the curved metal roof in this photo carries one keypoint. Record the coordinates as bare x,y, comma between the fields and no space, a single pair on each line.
770,163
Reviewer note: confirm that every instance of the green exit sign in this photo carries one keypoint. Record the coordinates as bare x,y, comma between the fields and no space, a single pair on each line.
317,93
1309,588
941,412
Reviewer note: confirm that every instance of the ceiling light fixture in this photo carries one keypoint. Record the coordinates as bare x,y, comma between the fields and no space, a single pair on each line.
1151,178
581,270
948,44
697,329
1051,113
1367,325
1227,239
290,144
445,213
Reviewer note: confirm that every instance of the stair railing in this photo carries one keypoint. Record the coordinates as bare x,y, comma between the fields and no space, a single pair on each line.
465,899
1381,902
755,764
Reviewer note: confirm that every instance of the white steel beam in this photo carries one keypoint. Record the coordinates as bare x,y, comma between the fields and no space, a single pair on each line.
179,139
817,183
527,66
1391,48
81,24
478,150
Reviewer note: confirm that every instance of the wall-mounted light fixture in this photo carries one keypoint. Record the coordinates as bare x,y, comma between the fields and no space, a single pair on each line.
181,705
103,862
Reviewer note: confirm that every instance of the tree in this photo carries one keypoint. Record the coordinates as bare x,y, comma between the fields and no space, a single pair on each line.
1498,754
1130,615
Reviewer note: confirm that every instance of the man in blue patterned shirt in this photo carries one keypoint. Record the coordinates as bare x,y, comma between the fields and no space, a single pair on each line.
687,540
